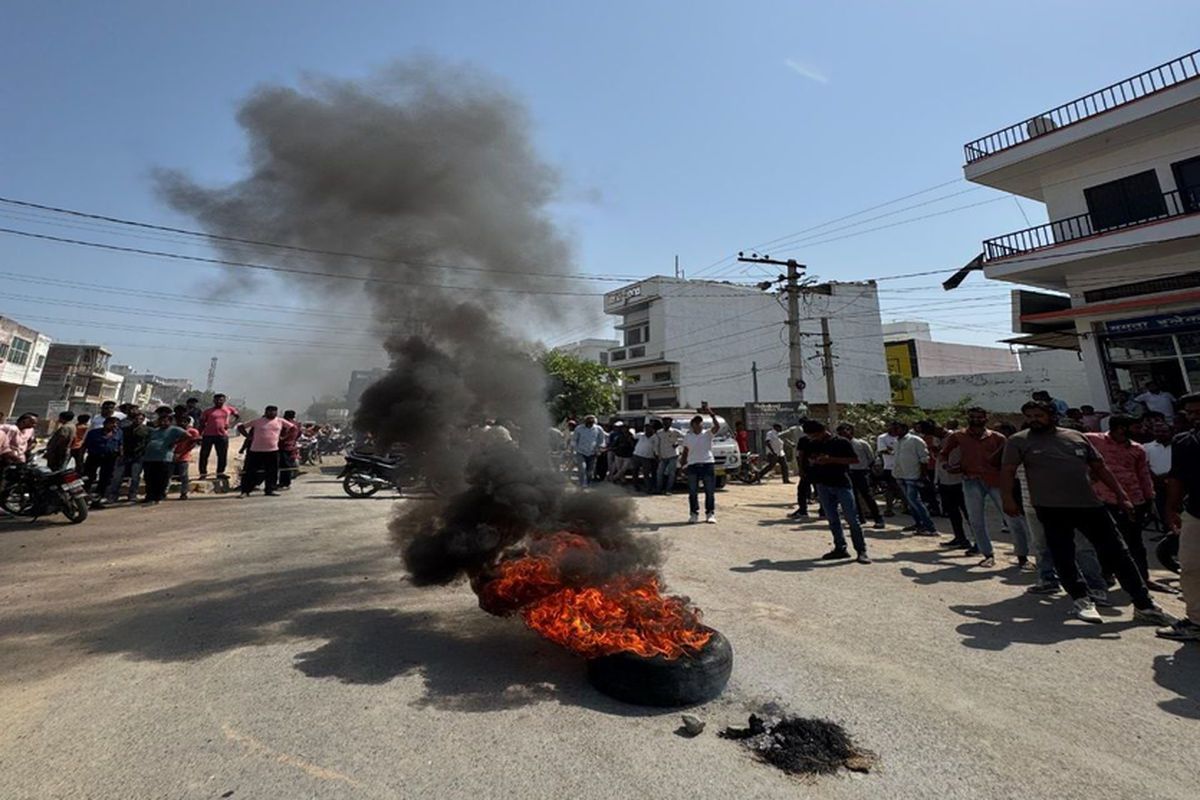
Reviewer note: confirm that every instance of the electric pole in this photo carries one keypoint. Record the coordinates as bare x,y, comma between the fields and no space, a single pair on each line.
754,376
792,287
827,362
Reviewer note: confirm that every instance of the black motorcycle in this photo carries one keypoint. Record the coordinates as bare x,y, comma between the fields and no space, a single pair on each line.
36,492
365,474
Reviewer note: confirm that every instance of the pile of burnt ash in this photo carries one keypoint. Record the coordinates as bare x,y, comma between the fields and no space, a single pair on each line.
801,746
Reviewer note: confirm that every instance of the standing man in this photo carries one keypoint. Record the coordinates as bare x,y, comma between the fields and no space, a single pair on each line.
665,442
215,423
620,452
16,441
103,448
950,488
1158,454
159,455
135,435
829,459
107,409
1128,463
82,426
885,445
289,451
1183,519
697,459
587,440
1061,466
183,454
263,457
980,452
1155,399
741,436
908,467
860,475
643,453
58,448
775,453
191,407
1059,407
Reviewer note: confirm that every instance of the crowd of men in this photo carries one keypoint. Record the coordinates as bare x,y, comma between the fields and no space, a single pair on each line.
1074,488
121,447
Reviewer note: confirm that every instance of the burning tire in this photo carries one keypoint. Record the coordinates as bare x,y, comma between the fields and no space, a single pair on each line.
658,681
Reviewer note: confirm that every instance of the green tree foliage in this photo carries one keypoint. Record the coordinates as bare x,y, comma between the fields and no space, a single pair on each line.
576,387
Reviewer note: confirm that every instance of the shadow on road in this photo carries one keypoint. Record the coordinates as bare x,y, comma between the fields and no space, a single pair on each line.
956,568
798,565
1031,619
1180,673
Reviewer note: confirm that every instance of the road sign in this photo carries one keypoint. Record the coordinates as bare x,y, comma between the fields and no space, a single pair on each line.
761,416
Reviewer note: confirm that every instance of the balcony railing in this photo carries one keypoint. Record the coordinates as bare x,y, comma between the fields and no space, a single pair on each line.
1174,204
1184,68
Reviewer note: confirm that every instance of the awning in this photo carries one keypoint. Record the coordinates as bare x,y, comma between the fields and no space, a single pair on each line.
1116,307
1054,340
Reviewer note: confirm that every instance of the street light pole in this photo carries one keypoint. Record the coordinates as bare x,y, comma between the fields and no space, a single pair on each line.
792,287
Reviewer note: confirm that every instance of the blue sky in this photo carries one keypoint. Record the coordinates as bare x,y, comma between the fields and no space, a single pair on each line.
694,129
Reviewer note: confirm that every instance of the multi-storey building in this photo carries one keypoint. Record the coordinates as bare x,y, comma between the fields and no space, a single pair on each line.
590,349
684,342
22,357
75,378
1119,173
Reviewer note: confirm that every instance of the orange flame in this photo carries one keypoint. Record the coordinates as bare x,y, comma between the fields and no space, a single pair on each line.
623,613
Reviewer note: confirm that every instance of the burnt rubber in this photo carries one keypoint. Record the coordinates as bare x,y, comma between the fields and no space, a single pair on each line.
663,682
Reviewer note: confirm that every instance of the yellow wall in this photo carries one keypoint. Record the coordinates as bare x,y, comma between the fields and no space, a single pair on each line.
900,362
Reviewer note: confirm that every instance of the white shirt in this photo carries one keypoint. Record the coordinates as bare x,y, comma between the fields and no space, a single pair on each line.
1163,402
699,447
664,443
98,421
886,442
1159,456
911,453
775,442
644,447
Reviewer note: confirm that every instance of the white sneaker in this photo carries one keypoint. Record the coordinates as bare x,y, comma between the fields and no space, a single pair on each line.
1154,615
711,519
693,519
1085,610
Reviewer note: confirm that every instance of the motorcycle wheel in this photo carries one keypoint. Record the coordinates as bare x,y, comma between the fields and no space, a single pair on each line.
16,501
75,509
356,488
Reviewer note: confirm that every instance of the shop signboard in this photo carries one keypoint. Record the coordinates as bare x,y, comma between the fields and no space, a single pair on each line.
1163,323
761,416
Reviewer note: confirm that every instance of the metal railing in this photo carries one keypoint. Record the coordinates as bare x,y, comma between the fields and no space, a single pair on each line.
1175,204
1184,68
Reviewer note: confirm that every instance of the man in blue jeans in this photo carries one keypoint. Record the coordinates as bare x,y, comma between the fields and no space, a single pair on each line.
697,459
587,440
908,467
828,459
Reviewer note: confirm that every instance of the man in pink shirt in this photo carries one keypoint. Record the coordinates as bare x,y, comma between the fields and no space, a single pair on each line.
1127,461
263,457
214,430
16,440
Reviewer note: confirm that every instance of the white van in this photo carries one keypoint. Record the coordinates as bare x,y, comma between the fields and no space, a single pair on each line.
726,456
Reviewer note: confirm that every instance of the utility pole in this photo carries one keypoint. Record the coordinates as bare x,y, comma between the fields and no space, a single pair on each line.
827,361
792,287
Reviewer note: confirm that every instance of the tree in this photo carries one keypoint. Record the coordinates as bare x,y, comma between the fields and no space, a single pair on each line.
577,387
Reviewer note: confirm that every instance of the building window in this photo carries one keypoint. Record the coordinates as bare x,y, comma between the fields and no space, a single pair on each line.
635,402
1187,181
637,352
662,377
3,350
634,378
19,351
39,362
617,355
1136,198
633,336
662,402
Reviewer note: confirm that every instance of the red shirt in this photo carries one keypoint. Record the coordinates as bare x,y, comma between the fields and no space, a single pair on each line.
1128,464
743,441
980,455
289,439
215,421
184,447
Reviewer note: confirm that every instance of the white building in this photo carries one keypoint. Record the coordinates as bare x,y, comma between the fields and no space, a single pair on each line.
590,349
22,357
1119,173
685,342
1059,372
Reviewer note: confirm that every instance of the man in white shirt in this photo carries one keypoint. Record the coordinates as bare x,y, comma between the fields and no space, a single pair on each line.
1154,399
107,409
643,454
908,465
1158,454
697,459
665,442
885,446
775,453
587,440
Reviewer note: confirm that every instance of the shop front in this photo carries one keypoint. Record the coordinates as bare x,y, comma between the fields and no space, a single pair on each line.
1163,349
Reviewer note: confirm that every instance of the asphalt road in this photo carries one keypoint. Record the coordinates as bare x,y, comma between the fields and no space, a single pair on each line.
269,648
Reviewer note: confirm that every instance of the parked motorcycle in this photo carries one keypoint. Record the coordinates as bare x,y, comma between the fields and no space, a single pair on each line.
365,474
31,491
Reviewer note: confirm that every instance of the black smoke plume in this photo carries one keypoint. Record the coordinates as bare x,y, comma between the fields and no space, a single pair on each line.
422,167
